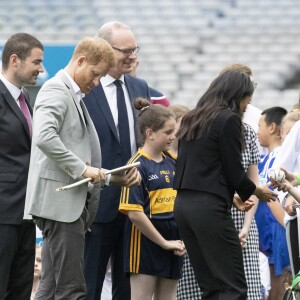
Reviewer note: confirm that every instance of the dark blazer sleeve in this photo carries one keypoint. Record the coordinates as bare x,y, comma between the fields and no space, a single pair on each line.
212,163
14,158
230,145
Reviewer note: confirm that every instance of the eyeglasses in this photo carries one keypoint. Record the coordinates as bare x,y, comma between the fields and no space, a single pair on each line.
128,51
254,84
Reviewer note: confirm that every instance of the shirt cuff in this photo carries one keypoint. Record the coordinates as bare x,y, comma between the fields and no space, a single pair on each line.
84,170
107,179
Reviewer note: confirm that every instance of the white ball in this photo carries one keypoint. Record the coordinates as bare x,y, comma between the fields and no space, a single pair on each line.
278,175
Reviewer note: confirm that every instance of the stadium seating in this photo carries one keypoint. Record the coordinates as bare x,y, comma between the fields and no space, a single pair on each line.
184,44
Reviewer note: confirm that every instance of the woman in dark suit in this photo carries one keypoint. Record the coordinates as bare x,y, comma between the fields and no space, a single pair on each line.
208,173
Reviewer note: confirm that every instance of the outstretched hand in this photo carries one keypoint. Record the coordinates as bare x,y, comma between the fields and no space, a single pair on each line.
290,177
263,193
131,178
284,185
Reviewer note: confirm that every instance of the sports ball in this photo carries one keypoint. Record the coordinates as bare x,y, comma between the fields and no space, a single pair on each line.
278,175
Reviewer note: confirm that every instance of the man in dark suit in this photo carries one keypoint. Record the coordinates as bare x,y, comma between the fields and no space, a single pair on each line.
22,58
105,239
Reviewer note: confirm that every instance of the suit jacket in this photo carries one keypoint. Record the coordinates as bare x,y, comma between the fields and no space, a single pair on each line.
100,112
15,145
212,163
64,141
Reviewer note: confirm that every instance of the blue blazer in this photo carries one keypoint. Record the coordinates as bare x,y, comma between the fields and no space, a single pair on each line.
99,110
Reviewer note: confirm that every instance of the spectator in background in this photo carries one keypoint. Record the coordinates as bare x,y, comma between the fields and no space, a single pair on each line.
208,172
188,287
156,96
65,148
179,111
22,58
288,157
269,216
37,270
110,107
288,122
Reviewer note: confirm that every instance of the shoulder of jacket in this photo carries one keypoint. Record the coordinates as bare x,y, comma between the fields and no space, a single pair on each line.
135,79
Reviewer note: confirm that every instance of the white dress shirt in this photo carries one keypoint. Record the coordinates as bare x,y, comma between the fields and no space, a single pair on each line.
289,154
110,91
14,91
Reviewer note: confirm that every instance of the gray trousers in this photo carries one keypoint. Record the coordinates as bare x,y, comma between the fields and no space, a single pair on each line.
62,259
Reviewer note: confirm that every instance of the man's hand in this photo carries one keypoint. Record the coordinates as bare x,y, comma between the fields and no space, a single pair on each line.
95,174
131,178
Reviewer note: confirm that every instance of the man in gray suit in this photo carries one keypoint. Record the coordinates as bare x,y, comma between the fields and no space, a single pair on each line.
65,148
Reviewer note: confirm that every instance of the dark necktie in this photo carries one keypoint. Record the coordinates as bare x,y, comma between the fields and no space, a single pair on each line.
123,123
25,111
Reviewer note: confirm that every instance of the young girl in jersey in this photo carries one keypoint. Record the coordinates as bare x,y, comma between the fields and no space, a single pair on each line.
153,248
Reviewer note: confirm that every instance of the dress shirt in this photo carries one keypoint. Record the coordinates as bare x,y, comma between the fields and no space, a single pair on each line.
289,154
110,91
79,96
76,89
289,157
14,91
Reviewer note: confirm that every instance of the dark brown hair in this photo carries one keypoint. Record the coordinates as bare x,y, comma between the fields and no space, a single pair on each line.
225,92
178,110
20,44
151,116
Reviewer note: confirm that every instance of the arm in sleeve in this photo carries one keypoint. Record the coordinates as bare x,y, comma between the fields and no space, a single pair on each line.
230,148
49,117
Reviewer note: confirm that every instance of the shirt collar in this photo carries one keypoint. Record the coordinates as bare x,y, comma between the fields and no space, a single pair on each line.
74,85
108,80
14,91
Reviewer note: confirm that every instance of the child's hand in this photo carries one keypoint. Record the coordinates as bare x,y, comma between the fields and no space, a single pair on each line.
284,185
180,252
243,206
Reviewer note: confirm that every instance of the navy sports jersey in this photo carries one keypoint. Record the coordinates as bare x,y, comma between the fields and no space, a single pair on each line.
171,154
155,196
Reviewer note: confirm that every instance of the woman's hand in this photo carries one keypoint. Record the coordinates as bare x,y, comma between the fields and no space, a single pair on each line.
263,193
242,206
